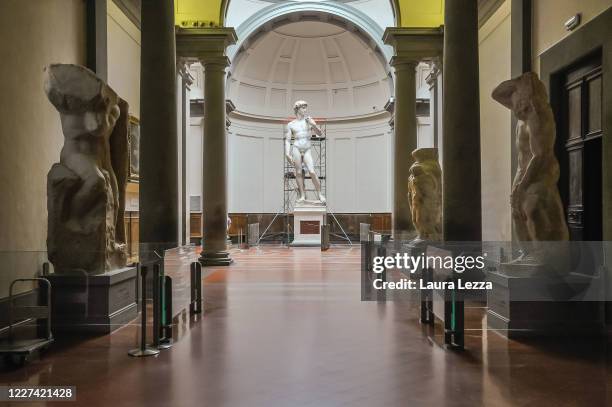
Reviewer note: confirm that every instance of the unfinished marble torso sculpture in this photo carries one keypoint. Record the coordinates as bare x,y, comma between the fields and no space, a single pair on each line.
85,190
425,194
537,211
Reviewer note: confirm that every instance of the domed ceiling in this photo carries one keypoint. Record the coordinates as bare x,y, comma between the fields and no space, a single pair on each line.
334,69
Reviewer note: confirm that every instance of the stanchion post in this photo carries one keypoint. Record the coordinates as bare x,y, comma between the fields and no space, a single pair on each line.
143,350
156,304
166,329
195,307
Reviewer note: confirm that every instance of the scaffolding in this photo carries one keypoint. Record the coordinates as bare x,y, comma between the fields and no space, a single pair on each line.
290,186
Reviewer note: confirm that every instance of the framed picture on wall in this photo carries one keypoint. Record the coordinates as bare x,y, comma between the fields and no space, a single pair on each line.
134,147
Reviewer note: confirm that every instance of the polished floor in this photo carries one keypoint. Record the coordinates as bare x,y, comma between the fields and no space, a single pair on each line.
286,327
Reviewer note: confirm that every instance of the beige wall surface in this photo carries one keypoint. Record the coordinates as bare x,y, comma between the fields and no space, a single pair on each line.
495,125
35,33
124,57
549,17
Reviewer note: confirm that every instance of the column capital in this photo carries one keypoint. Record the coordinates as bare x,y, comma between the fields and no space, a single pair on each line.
416,44
211,63
229,106
390,105
436,70
400,63
206,45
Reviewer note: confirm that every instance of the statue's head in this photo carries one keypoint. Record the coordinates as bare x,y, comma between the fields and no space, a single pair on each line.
85,102
425,154
300,106
522,95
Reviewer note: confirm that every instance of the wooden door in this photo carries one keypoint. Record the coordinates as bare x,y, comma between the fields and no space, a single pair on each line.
581,162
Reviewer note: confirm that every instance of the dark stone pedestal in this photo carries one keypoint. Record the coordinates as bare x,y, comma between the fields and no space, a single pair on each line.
526,303
93,303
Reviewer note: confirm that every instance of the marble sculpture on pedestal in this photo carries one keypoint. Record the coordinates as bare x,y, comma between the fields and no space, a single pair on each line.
300,154
537,211
425,194
86,189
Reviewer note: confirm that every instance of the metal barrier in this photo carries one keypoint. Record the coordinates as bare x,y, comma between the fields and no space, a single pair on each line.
364,232
195,306
325,237
165,332
253,235
144,350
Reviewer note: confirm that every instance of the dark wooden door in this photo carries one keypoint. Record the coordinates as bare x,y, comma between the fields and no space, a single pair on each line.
581,163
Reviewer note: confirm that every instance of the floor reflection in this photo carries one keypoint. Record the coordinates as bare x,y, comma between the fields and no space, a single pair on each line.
286,327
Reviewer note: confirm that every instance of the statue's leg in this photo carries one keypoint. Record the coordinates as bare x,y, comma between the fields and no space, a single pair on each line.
313,175
297,162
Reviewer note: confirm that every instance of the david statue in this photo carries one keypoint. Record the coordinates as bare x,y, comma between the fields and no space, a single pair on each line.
300,129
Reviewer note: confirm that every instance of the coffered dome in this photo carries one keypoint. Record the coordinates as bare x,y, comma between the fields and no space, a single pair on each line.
335,70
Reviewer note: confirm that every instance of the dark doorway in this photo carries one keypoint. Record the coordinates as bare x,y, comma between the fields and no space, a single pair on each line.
579,143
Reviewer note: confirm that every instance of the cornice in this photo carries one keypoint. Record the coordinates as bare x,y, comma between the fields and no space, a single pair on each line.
415,43
204,44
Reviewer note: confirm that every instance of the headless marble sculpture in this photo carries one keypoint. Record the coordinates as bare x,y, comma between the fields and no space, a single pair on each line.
537,211
425,194
85,190
300,153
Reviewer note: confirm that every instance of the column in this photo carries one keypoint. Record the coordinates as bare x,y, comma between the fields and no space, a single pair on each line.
208,46
434,113
186,81
411,46
159,144
405,140
462,214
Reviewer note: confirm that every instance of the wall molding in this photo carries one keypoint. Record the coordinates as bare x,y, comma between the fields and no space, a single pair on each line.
486,9
131,9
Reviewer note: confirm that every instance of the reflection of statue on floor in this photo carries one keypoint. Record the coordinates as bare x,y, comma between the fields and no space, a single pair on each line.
86,189
300,153
425,194
537,211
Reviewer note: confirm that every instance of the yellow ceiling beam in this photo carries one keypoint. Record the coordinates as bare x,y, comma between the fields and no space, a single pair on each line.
409,13
421,13
199,13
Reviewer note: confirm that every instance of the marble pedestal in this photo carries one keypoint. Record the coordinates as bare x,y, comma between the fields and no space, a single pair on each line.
526,302
307,221
93,303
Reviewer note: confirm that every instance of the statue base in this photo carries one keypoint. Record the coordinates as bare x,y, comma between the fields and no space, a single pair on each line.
99,303
307,220
527,301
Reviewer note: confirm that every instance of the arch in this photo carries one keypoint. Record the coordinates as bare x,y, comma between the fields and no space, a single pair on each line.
395,6
337,12
407,13
397,14
223,10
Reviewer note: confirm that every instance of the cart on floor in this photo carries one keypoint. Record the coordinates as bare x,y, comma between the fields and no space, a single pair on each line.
18,351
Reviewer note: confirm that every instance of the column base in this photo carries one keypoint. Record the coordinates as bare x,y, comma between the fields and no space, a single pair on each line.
215,259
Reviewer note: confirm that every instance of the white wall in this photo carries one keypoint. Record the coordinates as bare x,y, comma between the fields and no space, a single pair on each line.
194,157
124,57
34,33
550,15
358,165
495,127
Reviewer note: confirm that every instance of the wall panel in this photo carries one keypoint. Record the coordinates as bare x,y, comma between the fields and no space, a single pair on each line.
370,173
256,164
